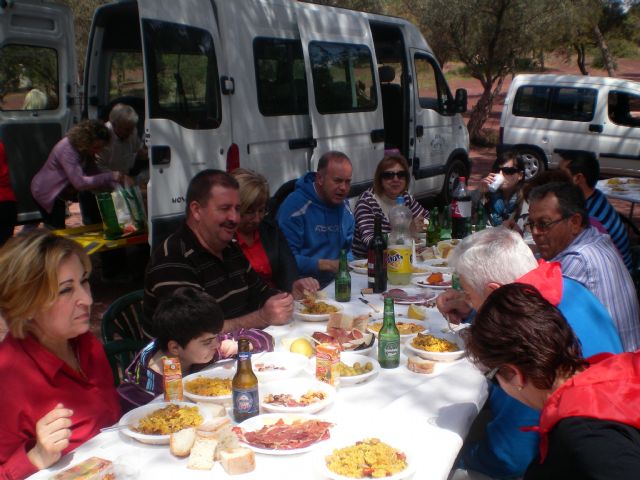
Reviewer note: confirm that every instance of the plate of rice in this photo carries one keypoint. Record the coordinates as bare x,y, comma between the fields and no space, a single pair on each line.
444,347
213,386
316,310
367,457
154,422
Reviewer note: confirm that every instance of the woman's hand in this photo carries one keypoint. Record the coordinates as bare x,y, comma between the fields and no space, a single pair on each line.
417,226
52,437
304,284
486,181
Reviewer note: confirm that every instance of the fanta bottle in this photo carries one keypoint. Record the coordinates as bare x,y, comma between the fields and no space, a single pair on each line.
399,247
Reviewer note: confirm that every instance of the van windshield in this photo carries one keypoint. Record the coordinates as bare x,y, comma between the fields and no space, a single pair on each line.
182,74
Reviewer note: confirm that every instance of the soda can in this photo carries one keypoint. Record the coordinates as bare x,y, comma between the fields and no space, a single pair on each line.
497,182
327,363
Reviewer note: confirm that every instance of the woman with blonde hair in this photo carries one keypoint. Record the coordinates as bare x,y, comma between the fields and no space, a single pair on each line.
262,241
390,181
71,168
59,385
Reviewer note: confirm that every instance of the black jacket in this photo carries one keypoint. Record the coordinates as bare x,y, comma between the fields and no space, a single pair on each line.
283,264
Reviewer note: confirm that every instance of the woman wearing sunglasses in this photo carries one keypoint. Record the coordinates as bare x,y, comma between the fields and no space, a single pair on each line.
390,181
506,204
589,424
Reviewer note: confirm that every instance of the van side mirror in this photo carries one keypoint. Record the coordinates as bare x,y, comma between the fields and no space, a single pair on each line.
461,100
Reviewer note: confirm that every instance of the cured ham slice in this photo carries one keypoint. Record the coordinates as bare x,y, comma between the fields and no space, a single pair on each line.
400,295
286,436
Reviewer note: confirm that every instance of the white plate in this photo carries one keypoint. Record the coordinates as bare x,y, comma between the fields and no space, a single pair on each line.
438,265
422,282
404,320
349,358
440,356
333,444
359,266
132,418
426,296
443,243
311,317
216,372
292,363
296,387
256,423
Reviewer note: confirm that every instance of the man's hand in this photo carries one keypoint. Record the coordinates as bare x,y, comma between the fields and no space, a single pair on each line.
52,437
278,309
229,348
453,304
326,265
301,285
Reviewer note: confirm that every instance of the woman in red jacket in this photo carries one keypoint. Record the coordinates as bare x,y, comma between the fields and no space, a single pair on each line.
57,381
590,420
8,205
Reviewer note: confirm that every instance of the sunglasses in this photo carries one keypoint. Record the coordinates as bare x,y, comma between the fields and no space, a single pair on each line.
508,170
491,374
389,175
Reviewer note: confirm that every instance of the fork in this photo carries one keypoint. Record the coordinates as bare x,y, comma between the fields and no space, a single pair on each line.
446,317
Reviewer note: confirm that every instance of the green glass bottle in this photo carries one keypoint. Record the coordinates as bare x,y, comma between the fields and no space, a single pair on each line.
389,338
481,219
343,280
433,232
445,229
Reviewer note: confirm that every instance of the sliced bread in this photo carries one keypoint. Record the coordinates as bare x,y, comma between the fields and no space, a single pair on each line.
180,442
236,461
419,365
202,453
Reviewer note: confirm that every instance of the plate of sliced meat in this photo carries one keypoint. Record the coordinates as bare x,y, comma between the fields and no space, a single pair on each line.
296,395
283,434
437,281
404,297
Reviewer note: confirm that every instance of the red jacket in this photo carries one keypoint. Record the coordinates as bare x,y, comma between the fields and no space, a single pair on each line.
34,380
609,389
547,278
6,192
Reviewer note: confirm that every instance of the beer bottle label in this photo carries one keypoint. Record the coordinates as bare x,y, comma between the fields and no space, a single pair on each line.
245,401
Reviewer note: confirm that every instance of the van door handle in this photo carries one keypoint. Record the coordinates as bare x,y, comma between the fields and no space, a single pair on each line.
595,128
298,143
160,155
377,135
419,130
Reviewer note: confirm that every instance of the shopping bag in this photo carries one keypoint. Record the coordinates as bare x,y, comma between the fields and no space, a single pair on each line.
122,212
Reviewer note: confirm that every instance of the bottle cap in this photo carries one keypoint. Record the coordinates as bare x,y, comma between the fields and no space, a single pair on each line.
399,200
463,179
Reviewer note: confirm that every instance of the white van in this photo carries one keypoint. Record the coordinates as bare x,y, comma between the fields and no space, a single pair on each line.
268,85
544,115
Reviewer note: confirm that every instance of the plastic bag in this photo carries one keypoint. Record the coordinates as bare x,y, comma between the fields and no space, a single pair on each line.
122,212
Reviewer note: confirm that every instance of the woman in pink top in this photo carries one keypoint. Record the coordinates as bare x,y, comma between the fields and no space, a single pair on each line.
71,168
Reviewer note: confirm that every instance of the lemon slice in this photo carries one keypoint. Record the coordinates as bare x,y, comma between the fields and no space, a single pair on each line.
416,313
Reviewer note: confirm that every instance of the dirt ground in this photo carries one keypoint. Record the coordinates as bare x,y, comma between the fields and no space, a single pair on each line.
105,292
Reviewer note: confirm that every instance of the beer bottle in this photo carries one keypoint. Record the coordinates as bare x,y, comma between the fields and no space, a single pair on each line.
376,267
343,280
389,338
445,229
433,232
246,403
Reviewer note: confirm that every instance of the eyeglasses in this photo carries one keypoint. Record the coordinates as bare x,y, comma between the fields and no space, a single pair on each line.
389,175
508,170
543,226
491,374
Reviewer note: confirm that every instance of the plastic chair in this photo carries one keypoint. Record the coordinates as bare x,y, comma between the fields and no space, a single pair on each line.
122,332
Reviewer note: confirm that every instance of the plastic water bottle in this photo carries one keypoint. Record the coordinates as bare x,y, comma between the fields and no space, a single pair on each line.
399,247
461,211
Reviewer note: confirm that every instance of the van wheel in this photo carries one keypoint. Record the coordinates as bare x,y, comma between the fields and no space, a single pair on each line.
533,163
455,170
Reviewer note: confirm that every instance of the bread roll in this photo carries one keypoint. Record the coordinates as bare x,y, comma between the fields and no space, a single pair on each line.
419,365
236,461
213,409
180,442
202,453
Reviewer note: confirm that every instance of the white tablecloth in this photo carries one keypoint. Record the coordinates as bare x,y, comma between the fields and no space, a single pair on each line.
432,413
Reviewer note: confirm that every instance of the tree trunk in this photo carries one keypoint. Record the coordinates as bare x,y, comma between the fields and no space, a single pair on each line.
606,55
481,111
580,50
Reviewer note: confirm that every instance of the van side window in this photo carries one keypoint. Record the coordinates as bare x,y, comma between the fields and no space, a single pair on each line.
182,75
280,77
343,79
126,75
624,109
562,103
433,93
28,78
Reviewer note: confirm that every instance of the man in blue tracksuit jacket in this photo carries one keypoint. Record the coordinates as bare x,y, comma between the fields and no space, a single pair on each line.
316,219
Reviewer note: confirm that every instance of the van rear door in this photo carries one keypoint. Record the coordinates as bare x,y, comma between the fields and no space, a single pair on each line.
37,89
342,80
187,126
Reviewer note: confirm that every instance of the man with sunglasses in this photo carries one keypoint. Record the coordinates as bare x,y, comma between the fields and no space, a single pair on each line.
316,219
560,227
485,261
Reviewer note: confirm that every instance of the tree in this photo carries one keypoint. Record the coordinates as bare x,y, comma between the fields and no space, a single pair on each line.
488,36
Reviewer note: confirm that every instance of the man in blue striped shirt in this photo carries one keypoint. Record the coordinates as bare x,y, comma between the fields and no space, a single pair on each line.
584,169
560,227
